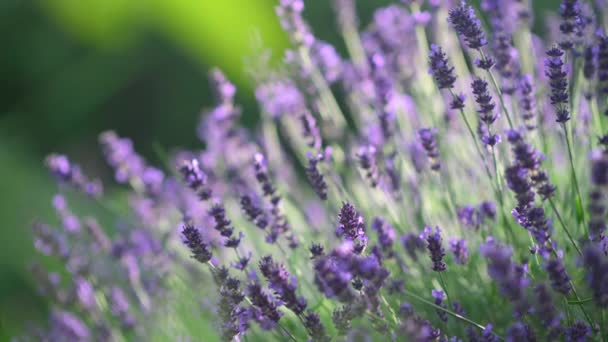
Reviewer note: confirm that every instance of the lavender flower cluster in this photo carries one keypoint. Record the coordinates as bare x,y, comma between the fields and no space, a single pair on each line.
457,192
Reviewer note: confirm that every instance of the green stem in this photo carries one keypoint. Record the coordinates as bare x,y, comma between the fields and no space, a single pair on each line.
561,221
450,312
574,178
498,92
445,288
578,302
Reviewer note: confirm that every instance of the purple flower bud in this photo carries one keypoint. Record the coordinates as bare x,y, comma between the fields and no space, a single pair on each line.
436,250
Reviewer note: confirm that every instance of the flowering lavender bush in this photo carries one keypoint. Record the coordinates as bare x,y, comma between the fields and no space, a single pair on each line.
454,190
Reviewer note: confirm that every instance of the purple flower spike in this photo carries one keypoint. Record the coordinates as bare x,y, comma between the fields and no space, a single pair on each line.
558,82
266,314
460,250
254,213
366,156
572,22
596,266
578,332
527,102
510,277
67,327
66,172
440,69
486,111
386,232
597,203
352,226
413,244
192,238
315,177
546,311
428,139
436,250
195,178
283,284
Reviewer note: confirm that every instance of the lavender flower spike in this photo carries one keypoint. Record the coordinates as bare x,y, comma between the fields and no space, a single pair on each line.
315,177
436,250
192,239
558,83
428,139
440,69
468,27
460,250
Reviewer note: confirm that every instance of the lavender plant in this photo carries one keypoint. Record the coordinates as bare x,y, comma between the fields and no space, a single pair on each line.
317,225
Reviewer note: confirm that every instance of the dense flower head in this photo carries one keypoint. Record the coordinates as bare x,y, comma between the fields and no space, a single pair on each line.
465,22
435,248
440,69
192,238
351,225
558,82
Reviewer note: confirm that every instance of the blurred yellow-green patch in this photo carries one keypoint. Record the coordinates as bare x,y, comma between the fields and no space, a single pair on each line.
211,32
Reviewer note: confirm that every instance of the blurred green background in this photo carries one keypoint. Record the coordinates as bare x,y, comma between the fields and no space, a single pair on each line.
71,69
